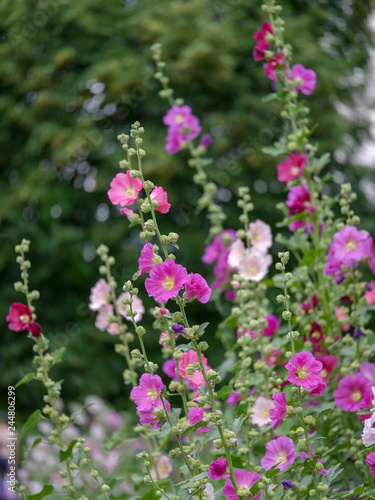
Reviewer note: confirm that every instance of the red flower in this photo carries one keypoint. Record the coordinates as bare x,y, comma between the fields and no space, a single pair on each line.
20,317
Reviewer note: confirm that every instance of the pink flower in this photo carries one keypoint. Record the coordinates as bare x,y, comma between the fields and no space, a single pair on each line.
370,460
259,52
260,235
189,358
166,280
368,435
273,357
318,389
196,288
236,254
183,127
177,115
158,194
298,201
124,309
254,266
261,411
169,368
35,329
233,398
127,212
100,295
329,362
304,455
340,315
348,248
279,451
272,64
351,392
195,415
210,492
370,293
164,339
304,79
20,317
205,141
147,392
368,371
102,321
114,329
148,259
124,190
272,326
150,416
243,479
303,369
218,469
291,168
163,466
279,411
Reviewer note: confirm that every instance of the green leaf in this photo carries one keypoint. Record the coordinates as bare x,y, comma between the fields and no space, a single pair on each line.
114,439
334,471
35,443
68,453
319,163
278,492
201,329
237,424
25,379
270,97
277,149
185,347
47,490
224,392
322,414
272,471
58,355
309,466
30,423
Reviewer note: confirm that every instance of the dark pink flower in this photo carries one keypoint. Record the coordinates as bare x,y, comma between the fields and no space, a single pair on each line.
329,362
35,329
272,326
20,317
190,358
318,389
304,79
218,251
351,392
243,478
279,412
149,416
218,469
279,451
196,288
370,461
124,189
303,369
169,368
166,280
263,44
158,194
291,168
147,392
195,415
298,201
233,398
148,259
273,64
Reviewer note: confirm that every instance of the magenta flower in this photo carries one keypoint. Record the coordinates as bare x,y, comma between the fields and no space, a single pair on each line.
304,79
195,415
150,416
169,368
272,64
260,235
351,393
272,326
189,358
262,45
148,259
205,141
218,469
183,127
147,392
158,194
166,280
329,363
218,251
124,190
243,479
35,329
279,412
177,115
20,317
318,389
233,398
279,451
291,168
370,461
298,201
303,369
196,288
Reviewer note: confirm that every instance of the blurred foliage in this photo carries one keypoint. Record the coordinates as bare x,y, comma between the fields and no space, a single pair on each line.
74,75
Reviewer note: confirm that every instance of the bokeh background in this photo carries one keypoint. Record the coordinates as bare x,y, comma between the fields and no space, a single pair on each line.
75,74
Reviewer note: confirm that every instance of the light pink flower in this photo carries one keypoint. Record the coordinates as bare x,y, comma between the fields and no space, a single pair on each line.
340,315
114,329
127,212
124,190
303,369
304,79
102,321
243,478
261,411
351,393
196,288
189,358
166,280
158,194
149,416
368,370
236,254
279,451
195,415
260,235
370,461
272,326
183,127
209,490
291,168
20,317
100,295
164,339
218,469
147,392
163,466
254,266
279,411
368,434
124,309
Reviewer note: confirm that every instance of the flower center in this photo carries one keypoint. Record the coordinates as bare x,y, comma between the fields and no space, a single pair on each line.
356,396
179,118
323,373
25,318
295,170
282,457
252,269
316,334
301,373
152,394
350,245
131,192
168,283
255,236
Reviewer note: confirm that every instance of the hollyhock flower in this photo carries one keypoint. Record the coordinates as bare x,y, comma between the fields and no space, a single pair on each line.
340,315
298,201
254,266
349,246
251,333
196,288
287,484
114,329
158,194
304,455
124,309
164,339
210,492
195,415
169,368
329,362
218,469
236,253
291,168
205,141
273,325
262,45
148,259
177,115
273,64
244,480
351,392
370,461
273,357
179,135
368,434
233,398
370,292
127,212
100,295
218,251
368,371
178,329
279,411
189,358
261,411
102,321
163,466
304,79
150,416
147,392
303,369
279,451
318,389
260,235
20,317
166,280
124,189
316,334
35,329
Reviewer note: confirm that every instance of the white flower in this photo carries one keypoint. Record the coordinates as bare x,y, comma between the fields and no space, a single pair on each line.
368,435
260,235
254,266
236,254
261,411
